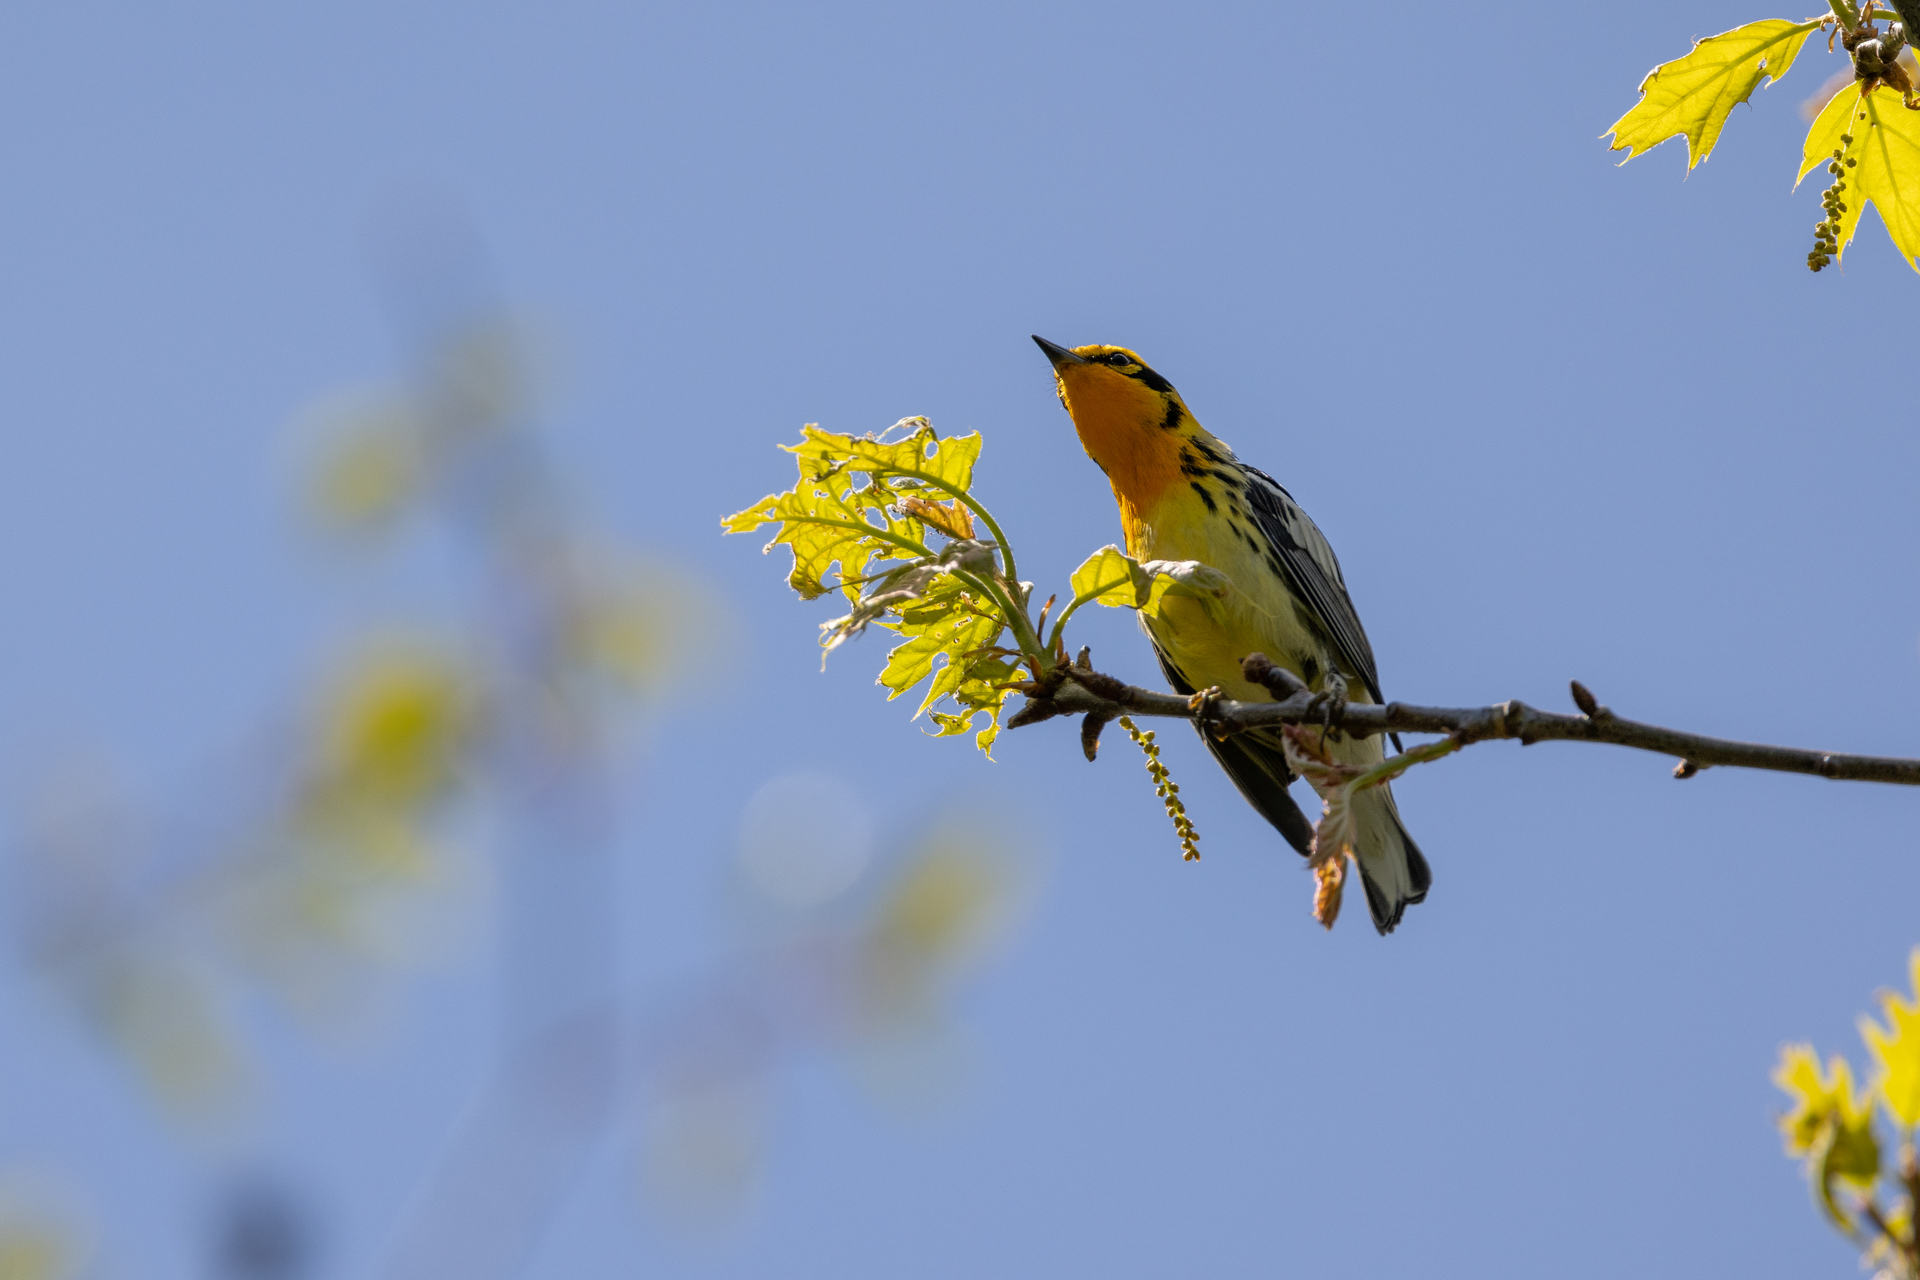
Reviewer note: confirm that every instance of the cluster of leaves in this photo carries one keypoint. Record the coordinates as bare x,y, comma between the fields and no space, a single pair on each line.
866,512
1867,135
1831,1129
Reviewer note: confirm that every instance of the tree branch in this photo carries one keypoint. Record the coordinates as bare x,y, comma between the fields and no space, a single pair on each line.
1077,689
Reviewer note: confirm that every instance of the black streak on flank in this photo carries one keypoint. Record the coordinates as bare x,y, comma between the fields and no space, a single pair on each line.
1205,497
1172,421
1206,451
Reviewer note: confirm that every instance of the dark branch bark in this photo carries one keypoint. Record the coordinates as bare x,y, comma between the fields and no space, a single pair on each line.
1079,690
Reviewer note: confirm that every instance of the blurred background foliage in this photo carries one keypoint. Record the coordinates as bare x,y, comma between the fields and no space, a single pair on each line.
453,781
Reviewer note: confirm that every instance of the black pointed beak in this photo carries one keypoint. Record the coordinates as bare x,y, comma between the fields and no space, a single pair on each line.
1057,353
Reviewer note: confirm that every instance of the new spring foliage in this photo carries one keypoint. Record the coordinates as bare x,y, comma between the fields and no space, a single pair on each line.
891,523
1831,1128
1867,136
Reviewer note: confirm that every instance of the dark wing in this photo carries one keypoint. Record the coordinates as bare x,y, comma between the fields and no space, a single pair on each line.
1308,564
1259,770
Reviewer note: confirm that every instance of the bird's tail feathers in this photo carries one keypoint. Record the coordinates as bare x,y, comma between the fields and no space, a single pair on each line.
1392,867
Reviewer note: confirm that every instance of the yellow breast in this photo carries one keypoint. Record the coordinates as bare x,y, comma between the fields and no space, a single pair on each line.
1206,639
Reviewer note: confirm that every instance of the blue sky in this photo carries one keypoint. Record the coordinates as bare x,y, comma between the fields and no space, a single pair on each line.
1560,419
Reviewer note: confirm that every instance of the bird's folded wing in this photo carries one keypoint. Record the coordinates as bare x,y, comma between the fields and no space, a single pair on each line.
1312,572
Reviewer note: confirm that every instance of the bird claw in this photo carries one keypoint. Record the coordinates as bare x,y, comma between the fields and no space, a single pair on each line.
1331,701
1201,704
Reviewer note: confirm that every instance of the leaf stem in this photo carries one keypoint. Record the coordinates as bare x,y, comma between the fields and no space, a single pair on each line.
973,504
905,544
1843,10
1016,617
1393,766
1060,623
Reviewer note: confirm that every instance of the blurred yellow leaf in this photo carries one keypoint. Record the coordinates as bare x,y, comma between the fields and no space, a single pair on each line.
1695,94
631,622
941,905
372,464
394,728
1882,138
168,1019
33,1251
1895,1049
1830,1126
1817,1098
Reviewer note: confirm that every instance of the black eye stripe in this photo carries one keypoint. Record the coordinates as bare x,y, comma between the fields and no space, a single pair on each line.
1137,371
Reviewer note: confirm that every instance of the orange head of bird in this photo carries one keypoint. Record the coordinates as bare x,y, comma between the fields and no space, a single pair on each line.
1130,419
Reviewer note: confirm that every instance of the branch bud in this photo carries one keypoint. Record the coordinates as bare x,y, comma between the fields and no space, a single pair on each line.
1280,682
1090,726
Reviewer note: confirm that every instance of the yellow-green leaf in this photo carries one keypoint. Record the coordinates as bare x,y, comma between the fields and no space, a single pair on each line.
864,503
1694,95
1112,577
1830,1126
1882,137
975,685
832,517
1895,1049
1816,1097
952,628
844,509
919,453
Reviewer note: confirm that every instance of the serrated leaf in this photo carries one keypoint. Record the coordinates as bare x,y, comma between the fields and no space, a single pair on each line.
975,685
951,629
1895,1049
1886,152
921,453
1830,1126
832,516
863,501
1695,94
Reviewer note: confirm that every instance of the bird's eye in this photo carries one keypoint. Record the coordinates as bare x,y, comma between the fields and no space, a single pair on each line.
1119,358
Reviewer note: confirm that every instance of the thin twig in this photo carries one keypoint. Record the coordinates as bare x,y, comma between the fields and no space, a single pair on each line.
1076,690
